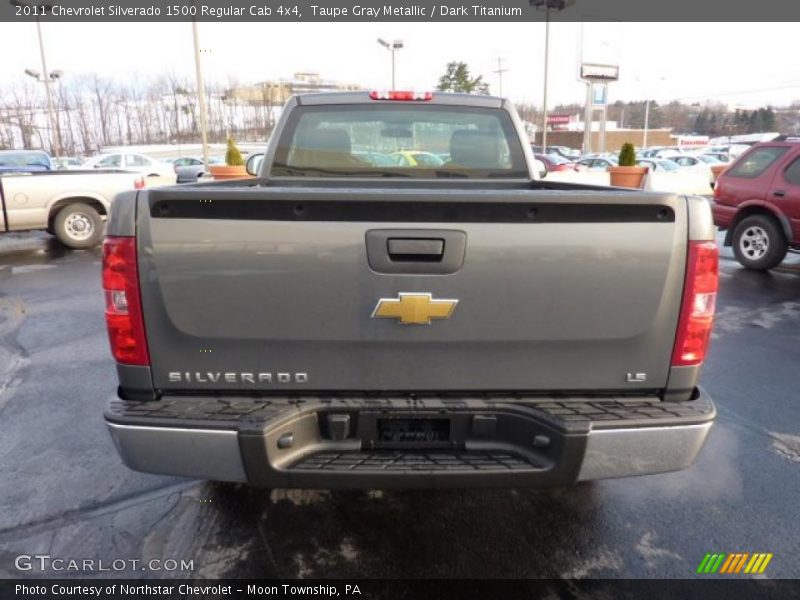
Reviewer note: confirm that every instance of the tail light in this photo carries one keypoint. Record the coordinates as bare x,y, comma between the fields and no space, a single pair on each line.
138,183
124,318
697,309
717,191
401,96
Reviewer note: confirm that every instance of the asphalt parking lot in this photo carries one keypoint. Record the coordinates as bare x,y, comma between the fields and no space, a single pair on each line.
65,492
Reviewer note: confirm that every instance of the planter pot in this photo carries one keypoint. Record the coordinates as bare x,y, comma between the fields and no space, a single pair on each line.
229,172
630,177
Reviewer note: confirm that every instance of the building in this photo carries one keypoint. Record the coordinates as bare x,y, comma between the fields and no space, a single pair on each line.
277,92
614,138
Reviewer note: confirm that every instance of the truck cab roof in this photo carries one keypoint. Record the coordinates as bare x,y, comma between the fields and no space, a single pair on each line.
363,97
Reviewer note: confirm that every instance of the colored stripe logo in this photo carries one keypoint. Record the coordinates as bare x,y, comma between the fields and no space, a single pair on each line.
733,564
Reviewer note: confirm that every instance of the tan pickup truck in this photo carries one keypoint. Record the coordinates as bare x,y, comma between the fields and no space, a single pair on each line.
71,205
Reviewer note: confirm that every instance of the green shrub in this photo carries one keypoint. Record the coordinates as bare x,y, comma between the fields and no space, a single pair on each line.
627,156
233,158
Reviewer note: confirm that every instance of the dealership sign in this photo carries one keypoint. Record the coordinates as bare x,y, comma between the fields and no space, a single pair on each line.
558,119
593,72
692,141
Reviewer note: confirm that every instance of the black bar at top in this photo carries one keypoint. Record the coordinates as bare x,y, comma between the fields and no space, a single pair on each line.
371,11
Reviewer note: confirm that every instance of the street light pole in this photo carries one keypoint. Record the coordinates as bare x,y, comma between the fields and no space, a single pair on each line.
546,69
55,134
391,47
647,116
46,75
500,70
201,92
547,5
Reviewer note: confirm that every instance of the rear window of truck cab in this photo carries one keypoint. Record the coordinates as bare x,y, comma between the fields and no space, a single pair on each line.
399,140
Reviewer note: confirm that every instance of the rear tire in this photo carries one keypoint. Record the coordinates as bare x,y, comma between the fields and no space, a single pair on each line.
759,243
78,226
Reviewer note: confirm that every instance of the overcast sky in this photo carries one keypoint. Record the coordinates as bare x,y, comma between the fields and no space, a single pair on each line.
748,64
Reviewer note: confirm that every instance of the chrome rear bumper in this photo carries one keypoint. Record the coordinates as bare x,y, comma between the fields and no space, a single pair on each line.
497,443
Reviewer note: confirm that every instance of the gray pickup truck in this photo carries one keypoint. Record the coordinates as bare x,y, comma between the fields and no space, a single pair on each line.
351,319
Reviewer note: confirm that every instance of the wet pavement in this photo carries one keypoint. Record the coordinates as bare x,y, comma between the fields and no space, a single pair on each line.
65,493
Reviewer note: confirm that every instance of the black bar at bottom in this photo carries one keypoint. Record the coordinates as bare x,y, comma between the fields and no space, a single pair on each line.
416,589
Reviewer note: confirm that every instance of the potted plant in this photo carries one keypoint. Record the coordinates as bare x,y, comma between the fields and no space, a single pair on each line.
234,164
627,174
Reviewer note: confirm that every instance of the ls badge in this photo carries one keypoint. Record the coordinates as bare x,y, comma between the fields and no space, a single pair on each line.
414,309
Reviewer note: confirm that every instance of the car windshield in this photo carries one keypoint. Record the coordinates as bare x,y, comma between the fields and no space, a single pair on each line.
24,159
392,139
667,165
709,160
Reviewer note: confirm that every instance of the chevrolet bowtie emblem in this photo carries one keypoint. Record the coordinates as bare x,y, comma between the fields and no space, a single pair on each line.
414,309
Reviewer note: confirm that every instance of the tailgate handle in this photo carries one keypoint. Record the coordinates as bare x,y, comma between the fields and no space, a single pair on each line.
415,249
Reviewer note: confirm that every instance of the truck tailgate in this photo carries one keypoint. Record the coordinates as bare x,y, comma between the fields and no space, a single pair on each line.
278,288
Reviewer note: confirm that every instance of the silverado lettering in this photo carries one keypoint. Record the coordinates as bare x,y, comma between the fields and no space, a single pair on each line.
229,377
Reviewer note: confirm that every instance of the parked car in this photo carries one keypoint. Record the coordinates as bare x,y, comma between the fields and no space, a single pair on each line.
658,165
414,158
598,163
491,330
189,168
668,152
25,161
71,205
132,161
571,154
710,159
649,152
556,162
732,150
688,162
67,163
714,163
381,159
565,152
757,202
722,157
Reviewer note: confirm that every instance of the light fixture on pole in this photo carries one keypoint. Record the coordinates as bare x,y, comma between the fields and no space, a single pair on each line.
547,6
391,47
47,79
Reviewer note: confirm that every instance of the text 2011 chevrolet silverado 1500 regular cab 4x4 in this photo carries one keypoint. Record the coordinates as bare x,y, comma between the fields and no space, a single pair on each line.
346,321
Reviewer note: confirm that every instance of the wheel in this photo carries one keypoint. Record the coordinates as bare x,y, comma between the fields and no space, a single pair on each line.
759,243
78,226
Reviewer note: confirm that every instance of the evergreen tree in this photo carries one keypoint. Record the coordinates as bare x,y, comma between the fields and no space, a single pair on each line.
457,78
701,123
769,119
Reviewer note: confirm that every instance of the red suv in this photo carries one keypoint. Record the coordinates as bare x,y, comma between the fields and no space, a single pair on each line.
757,200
